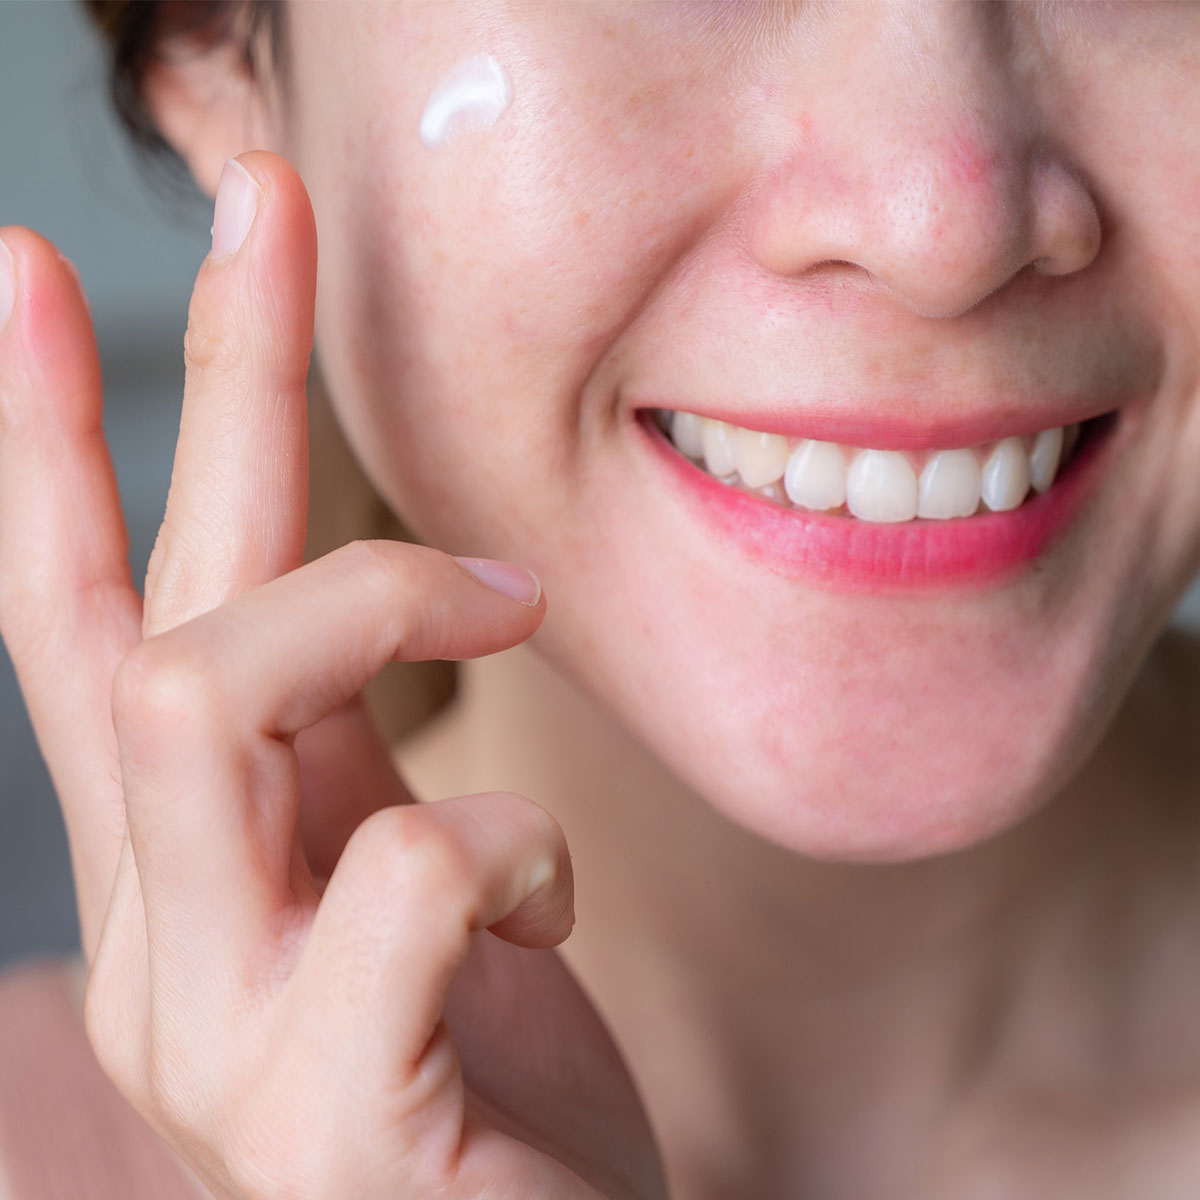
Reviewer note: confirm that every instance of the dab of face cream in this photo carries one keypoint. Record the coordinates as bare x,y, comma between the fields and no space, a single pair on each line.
472,95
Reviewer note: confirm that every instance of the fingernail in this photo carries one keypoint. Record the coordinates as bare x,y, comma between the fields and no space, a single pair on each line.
518,583
8,284
541,874
237,202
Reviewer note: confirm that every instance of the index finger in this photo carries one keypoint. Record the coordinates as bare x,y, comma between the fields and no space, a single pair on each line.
68,608
237,510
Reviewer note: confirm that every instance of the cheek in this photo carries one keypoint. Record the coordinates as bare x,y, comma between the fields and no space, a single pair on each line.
1137,137
468,294
471,97
1164,248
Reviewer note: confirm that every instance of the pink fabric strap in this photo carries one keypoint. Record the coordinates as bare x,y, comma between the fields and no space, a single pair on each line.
66,1133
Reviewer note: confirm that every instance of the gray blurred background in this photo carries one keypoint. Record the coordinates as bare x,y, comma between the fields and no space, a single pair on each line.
66,171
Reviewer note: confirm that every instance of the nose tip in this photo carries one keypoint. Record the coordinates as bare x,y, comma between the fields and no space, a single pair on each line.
940,227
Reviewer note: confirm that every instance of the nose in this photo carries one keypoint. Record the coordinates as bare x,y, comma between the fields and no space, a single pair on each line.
919,156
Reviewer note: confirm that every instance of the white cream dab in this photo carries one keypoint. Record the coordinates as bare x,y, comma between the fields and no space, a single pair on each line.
472,95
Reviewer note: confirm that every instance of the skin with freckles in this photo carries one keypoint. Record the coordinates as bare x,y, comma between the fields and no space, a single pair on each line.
670,238
882,890
895,213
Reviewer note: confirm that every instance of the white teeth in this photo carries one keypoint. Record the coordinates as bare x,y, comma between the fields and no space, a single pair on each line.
816,476
1006,475
1044,458
719,454
949,486
761,457
881,486
687,432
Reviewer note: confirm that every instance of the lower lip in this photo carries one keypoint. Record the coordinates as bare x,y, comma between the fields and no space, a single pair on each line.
845,552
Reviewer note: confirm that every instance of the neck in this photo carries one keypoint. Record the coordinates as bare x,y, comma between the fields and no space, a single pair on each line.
829,980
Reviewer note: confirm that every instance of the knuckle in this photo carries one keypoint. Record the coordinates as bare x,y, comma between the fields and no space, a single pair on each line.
164,685
381,562
392,561
396,573
406,850
362,557
246,332
208,349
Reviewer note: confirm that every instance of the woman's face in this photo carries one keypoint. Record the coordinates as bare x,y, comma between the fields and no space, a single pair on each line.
898,226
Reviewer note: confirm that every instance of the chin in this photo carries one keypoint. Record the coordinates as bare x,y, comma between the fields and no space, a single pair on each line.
863,729
905,793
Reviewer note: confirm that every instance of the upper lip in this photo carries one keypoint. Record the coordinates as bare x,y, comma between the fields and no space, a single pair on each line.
841,366
888,426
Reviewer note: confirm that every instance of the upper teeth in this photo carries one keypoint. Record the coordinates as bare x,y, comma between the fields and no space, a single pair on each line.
873,485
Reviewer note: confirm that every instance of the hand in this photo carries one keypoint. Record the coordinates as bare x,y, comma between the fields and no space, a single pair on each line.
215,766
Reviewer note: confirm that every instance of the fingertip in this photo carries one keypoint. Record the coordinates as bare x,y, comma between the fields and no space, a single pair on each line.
31,253
539,924
19,249
281,189
234,210
49,318
546,916
254,183
509,579
38,271
73,270
256,288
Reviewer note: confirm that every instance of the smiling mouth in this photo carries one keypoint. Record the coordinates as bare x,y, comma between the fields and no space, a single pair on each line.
872,485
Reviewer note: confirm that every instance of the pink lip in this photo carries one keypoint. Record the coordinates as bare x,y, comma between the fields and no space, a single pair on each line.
861,556
903,432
